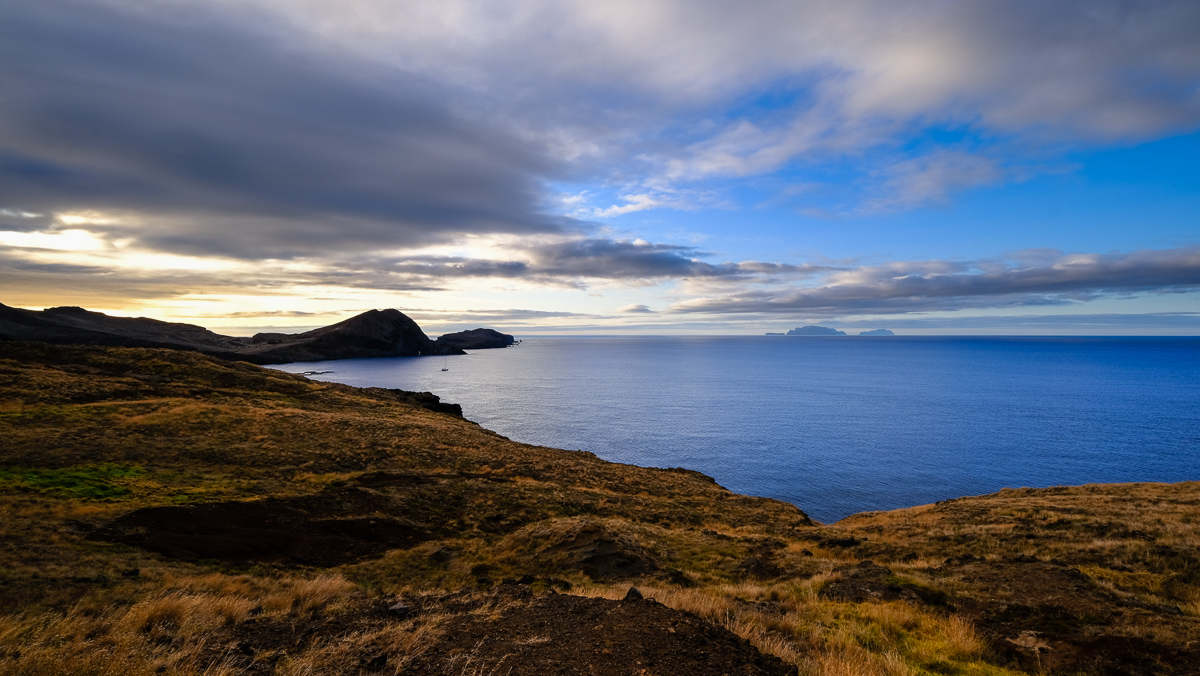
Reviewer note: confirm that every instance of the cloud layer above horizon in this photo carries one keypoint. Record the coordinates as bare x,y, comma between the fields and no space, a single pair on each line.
260,154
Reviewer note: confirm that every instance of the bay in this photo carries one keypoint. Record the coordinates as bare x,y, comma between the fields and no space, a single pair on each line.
835,425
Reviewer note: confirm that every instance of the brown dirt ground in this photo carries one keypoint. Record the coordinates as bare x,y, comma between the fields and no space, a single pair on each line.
510,631
561,635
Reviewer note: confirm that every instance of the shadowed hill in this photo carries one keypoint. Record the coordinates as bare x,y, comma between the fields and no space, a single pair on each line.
376,333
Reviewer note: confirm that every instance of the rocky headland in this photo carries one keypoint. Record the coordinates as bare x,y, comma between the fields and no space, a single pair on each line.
376,333
477,339
165,511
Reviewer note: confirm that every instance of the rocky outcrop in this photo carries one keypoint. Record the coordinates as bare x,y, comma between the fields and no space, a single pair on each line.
815,331
876,332
377,333
476,339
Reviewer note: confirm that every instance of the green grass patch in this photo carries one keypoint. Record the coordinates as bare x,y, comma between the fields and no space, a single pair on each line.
88,482
928,595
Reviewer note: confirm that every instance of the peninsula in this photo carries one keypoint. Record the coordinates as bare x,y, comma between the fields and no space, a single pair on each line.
376,333
171,512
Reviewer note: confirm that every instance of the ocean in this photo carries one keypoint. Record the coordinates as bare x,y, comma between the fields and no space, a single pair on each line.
835,425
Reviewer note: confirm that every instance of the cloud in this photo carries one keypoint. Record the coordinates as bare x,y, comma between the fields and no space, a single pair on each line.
932,178
278,128
1172,320
574,260
1021,280
635,309
201,136
633,203
255,315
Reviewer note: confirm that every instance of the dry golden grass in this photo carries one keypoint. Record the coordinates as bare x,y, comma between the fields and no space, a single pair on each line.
403,642
142,428
825,637
171,628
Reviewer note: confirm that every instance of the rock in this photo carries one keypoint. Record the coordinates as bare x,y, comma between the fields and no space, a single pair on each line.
862,582
400,611
441,555
1030,640
376,333
815,331
633,594
476,339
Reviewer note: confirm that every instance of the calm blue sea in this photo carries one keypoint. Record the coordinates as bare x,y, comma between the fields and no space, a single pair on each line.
836,425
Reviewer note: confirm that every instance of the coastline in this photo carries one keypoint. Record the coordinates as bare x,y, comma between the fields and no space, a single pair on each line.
125,470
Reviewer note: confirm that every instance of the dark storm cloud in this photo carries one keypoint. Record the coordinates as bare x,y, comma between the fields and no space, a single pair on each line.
587,258
210,138
1179,320
940,285
447,322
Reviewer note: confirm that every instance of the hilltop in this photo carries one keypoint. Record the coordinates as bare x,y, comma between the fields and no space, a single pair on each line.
169,512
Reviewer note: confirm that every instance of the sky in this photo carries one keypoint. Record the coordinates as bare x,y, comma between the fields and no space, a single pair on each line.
629,167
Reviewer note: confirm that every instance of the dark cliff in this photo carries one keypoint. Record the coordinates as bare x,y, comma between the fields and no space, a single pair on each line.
377,333
476,339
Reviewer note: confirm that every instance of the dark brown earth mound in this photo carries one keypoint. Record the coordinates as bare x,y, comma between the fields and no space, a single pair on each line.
328,529
508,631
866,581
559,635
589,546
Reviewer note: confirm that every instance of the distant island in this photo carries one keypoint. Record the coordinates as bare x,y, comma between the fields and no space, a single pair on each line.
815,331
826,331
375,333
476,339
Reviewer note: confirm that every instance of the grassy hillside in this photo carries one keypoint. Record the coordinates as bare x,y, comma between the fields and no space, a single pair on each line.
166,512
